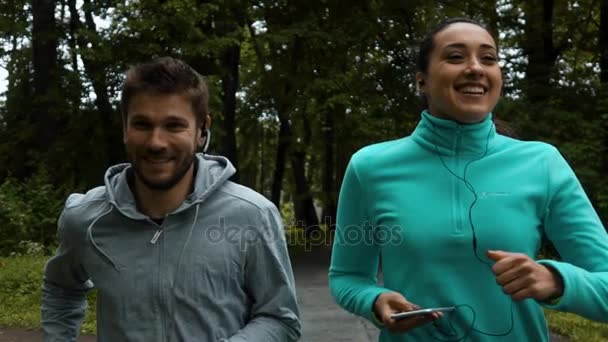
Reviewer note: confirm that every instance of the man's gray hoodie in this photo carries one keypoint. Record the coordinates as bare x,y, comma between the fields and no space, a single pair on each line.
216,269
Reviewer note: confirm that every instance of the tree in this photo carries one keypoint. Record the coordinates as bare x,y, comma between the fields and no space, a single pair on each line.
88,40
45,77
540,49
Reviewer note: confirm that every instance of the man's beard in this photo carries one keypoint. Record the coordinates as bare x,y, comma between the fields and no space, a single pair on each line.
177,176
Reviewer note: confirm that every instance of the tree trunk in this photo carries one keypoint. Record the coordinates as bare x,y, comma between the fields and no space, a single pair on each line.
280,159
328,216
304,207
96,73
230,83
540,49
603,41
74,55
18,88
603,49
44,60
46,85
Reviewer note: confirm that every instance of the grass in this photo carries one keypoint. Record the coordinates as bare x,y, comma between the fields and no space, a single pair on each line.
21,276
576,328
20,281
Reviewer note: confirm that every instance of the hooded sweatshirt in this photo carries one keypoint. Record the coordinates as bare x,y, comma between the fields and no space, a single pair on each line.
430,206
216,269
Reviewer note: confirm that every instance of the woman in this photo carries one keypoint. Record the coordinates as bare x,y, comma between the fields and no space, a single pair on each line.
457,211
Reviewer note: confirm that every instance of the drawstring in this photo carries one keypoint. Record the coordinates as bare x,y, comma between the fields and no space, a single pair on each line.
179,264
90,236
181,255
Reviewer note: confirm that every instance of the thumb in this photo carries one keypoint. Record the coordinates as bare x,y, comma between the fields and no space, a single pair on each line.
398,303
404,305
497,255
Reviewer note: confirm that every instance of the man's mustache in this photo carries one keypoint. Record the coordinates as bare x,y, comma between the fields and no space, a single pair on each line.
156,153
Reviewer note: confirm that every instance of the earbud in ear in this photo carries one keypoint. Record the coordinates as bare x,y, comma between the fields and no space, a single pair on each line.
207,135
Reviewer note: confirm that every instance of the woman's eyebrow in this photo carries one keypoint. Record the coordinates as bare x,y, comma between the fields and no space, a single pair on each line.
463,46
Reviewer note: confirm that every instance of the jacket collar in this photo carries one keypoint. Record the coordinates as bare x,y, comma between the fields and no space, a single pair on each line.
448,137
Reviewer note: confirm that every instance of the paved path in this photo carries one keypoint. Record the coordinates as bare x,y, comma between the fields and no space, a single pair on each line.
322,319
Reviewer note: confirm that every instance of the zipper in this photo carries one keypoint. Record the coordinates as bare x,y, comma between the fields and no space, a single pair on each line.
160,282
156,235
458,203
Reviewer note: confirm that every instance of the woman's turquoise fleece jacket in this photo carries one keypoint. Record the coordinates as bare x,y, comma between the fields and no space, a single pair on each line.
415,204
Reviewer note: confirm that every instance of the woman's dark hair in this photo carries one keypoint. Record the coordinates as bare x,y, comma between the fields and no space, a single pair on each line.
424,55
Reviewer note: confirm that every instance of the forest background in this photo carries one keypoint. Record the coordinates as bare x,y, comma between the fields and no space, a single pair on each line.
296,88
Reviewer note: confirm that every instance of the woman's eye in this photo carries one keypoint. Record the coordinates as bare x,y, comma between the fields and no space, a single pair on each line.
455,57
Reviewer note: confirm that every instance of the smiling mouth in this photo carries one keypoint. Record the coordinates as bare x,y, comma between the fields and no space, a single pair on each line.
469,90
472,89
157,160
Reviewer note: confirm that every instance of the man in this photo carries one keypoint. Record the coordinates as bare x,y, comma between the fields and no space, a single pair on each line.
176,251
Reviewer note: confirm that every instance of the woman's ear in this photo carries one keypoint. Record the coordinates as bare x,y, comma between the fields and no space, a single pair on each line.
420,82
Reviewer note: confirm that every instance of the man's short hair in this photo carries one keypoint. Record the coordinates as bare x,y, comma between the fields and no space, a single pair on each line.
166,75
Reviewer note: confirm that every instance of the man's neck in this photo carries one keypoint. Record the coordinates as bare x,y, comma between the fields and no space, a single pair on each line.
158,203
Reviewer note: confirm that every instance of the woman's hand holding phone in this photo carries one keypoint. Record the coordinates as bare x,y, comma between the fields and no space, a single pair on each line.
390,303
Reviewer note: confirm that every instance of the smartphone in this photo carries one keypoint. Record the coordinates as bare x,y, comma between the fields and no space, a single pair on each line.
428,311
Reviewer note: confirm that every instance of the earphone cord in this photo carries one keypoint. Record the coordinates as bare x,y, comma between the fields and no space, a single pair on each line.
475,198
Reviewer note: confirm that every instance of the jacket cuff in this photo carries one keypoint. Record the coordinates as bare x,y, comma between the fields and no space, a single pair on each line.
555,303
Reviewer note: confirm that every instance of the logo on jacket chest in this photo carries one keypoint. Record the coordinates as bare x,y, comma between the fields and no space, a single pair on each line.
493,194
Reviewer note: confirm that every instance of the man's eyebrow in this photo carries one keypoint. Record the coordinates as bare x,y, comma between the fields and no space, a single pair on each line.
463,46
170,117
138,116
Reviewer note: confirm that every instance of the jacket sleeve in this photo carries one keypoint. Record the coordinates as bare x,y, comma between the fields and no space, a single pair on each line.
575,229
270,282
355,257
64,289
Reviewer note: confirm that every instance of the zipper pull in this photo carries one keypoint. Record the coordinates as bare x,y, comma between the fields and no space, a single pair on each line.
156,235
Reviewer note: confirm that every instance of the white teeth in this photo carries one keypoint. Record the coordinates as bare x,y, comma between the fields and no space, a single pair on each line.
157,161
472,90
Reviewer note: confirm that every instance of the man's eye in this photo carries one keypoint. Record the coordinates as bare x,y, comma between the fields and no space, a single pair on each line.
140,125
176,126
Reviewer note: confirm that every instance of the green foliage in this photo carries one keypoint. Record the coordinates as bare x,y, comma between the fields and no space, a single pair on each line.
297,240
20,280
577,329
20,294
29,212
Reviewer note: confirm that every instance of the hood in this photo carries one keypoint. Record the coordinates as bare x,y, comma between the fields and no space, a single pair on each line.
211,173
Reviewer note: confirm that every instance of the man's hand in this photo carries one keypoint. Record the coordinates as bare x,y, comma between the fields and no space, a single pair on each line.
522,278
390,303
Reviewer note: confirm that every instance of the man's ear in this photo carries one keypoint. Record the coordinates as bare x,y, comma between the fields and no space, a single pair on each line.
420,82
203,131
